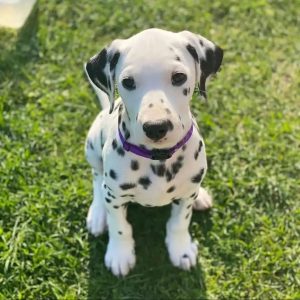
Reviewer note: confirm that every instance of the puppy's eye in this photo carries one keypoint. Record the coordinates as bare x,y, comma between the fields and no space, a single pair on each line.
178,79
128,83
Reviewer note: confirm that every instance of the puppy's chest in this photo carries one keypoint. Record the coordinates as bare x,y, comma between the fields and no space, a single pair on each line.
155,183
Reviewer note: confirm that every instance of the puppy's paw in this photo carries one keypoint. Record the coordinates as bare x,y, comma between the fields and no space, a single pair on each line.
96,219
203,201
182,251
120,256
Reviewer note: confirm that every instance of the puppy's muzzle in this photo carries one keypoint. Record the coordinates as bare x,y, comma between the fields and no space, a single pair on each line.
157,130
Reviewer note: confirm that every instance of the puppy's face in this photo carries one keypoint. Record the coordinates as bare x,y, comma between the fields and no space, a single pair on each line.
155,72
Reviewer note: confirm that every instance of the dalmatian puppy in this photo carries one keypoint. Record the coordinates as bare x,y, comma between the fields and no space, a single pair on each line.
145,147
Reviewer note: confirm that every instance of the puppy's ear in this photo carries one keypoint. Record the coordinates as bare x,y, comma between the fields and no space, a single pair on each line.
101,72
208,57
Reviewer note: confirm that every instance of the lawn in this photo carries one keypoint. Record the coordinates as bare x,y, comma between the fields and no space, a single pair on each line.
248,243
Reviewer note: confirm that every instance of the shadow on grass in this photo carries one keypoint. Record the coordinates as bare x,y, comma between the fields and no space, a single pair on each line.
153,276
15,60
25,49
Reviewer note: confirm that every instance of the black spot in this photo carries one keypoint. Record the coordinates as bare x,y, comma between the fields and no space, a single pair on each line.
148,205
124,126
187,215
200,146
120,114
178,58
171,189
121,151
159,170
185,256
112,174
183,147
180,158
120,232
107,187
114,144
176,201
127,134
150,105
201,42
127,195
168,176
110,195
162,100
143,146
193,195
193,52
101,139
185,91
127,186
197,178
189,206
196,154
107,200
114,61
153,169
168,111
145,182
170,125
134,165
96,174
176,166
116,206
91,145
105,174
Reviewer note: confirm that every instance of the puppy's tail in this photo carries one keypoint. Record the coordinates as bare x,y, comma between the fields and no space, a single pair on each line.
103,97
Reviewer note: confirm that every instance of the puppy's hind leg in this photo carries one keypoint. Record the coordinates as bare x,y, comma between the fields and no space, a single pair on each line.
96,218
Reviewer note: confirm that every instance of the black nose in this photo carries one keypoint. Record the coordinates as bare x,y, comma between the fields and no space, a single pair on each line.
157,130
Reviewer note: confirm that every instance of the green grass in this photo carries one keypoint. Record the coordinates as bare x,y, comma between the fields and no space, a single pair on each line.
249,241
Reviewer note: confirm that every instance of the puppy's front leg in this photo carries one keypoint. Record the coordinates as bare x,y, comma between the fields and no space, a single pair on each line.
182,251
120,256
96,218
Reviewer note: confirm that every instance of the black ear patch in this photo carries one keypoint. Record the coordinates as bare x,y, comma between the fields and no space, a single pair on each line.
193,52
212,61
114,60
101,71
209,65
95,69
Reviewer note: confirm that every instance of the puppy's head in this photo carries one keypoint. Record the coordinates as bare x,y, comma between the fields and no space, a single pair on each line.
156,72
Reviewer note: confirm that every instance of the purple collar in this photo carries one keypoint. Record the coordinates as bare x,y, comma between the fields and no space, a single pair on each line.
155,154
